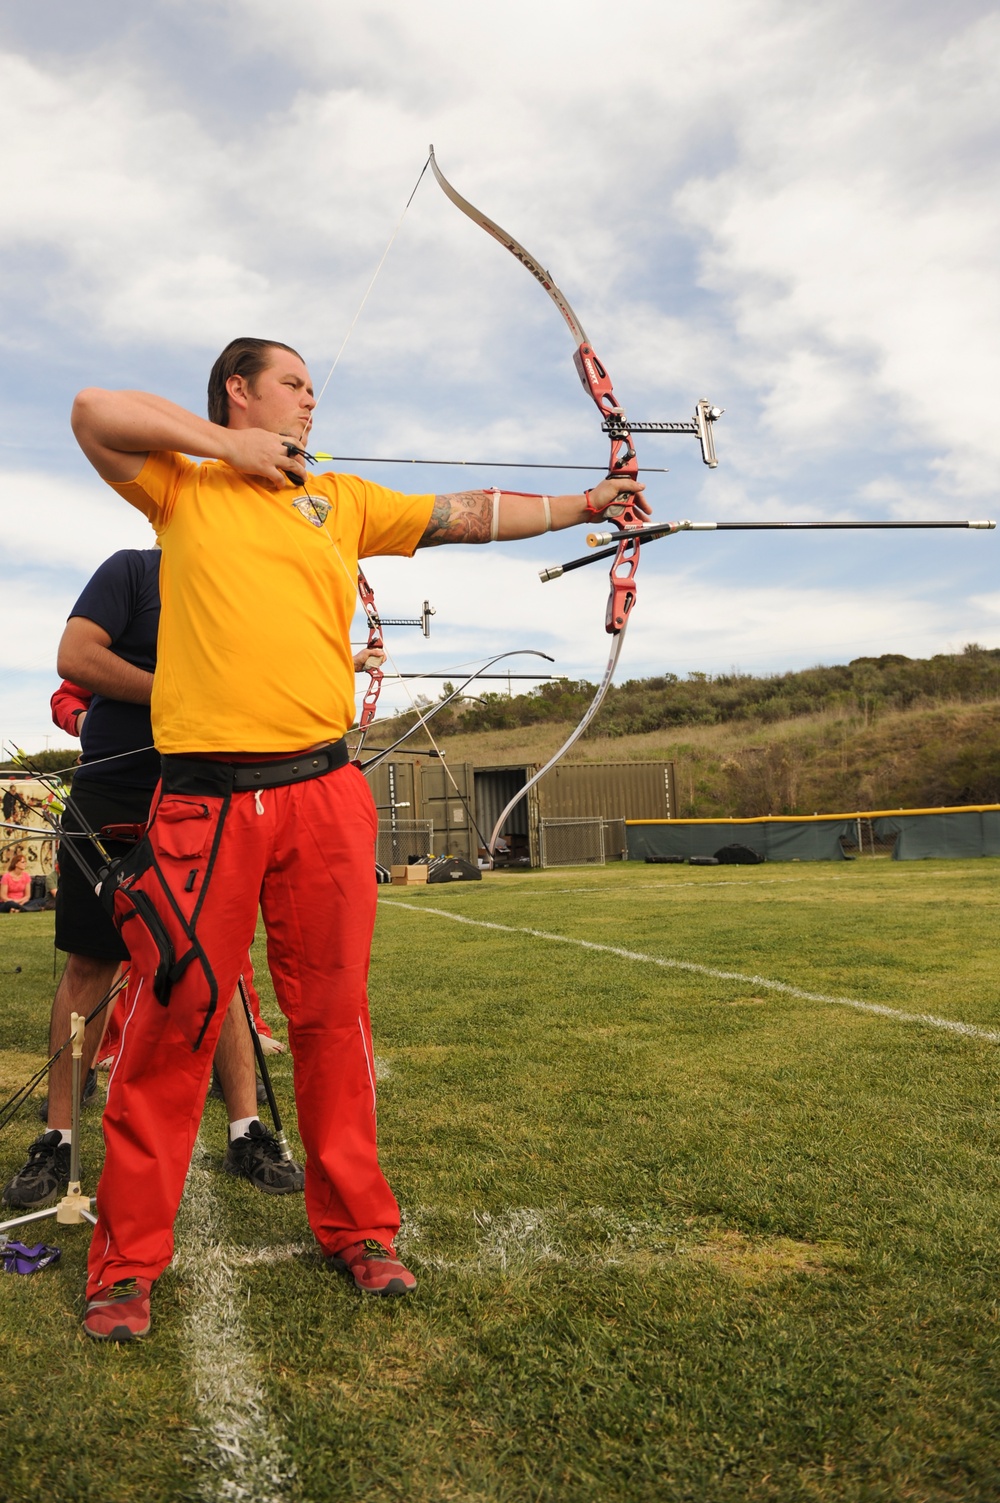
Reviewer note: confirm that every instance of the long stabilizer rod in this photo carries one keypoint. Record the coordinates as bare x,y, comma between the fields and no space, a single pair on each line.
650,534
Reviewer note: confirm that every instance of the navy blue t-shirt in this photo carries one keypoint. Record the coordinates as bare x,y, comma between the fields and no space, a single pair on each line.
123,598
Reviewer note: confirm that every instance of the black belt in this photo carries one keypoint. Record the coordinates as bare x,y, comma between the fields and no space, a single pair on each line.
210,779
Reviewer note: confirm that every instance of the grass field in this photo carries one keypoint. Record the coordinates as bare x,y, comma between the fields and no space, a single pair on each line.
697,1231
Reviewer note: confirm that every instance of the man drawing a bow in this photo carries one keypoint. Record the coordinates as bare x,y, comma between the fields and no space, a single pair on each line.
258,803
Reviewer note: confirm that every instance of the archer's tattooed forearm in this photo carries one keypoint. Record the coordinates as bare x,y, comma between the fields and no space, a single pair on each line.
463,517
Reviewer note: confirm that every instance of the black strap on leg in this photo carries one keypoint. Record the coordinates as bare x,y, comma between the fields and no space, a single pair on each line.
121,877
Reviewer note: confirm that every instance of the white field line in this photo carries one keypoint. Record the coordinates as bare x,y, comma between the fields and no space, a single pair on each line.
241,1453
665,886
702,882
522,1238
925,1019
284,1252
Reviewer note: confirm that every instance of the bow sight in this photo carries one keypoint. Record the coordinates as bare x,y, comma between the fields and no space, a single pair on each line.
705,415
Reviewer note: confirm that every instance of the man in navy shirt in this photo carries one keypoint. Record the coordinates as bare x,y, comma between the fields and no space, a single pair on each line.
109,647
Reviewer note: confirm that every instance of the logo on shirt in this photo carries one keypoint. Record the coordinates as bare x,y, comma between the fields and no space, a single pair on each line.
313,508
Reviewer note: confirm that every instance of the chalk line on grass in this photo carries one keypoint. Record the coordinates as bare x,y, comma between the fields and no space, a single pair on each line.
239,1449
707,883
283,1252
925,1019
519,1240
519,1235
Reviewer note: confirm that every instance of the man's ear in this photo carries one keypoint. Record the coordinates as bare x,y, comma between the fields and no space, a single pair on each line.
238,390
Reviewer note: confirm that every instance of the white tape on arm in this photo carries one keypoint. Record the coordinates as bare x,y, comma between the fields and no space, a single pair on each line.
548,513
495,521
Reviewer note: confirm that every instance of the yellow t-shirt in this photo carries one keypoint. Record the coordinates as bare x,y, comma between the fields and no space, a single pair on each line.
257,592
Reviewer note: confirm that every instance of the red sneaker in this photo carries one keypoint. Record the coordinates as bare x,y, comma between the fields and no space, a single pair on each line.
121,1313
374,1268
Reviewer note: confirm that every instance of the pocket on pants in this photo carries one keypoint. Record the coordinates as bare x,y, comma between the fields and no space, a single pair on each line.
181,827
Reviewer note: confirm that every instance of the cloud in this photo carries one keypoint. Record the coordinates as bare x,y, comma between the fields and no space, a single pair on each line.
852,235
791,210
54,522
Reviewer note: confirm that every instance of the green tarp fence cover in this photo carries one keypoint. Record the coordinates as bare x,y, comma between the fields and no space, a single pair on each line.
775,839
954,832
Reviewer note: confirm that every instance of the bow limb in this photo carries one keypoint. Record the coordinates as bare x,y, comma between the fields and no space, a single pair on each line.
593,374
592,709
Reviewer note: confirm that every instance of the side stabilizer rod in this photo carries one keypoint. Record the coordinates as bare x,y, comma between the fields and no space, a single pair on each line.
652,533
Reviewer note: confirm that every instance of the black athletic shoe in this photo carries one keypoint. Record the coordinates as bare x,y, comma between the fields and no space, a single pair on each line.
216,1093
257,1157
89,1091
43,1177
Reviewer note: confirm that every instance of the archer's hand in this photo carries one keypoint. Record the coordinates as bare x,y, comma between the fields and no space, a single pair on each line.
607,493
255,451
368,658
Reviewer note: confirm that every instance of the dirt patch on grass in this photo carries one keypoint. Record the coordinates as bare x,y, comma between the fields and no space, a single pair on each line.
759,1261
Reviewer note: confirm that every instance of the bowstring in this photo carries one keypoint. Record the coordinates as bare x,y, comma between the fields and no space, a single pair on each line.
371,615
371,284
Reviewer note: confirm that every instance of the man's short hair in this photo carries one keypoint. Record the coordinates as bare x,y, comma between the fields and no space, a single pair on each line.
241,357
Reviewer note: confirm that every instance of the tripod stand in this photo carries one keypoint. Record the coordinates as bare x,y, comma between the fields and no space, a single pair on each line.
75,1207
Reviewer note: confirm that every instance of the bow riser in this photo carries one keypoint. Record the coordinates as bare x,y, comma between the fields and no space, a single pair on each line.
622,462
623,586
595,380
370,702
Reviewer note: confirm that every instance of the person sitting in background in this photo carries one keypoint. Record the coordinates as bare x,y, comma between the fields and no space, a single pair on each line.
15,884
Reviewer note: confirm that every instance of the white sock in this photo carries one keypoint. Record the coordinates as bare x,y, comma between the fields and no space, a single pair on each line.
65,1134
240,1127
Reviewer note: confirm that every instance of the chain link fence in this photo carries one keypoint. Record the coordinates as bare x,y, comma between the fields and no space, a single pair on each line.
615,840
571,842
402,841
862,841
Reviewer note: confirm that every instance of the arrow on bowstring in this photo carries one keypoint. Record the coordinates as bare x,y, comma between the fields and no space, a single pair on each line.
471,464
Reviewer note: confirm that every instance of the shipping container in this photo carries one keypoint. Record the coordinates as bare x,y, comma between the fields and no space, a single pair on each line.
424,810
428,809
577,791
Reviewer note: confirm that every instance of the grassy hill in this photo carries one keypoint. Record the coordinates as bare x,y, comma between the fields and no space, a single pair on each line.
875,733
886,732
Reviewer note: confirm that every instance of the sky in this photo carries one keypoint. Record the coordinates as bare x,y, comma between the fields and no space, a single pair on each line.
790,210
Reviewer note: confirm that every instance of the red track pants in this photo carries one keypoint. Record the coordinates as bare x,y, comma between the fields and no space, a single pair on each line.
305,854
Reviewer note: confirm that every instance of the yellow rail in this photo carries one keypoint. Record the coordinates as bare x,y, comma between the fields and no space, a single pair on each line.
812,819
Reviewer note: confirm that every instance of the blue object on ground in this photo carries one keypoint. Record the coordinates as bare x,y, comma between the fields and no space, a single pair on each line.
17,1258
